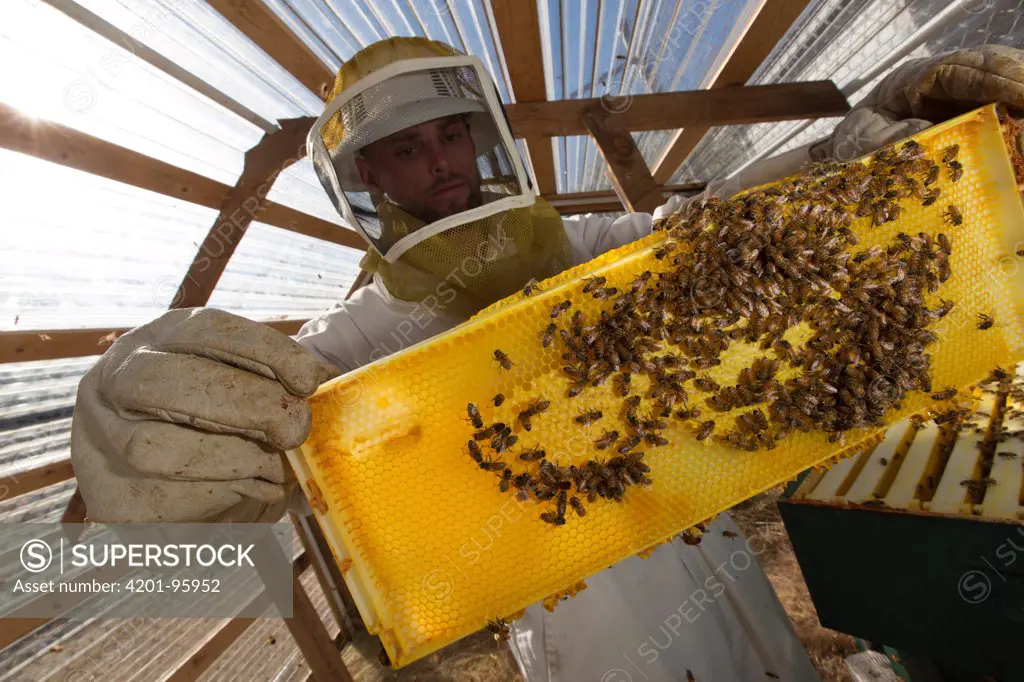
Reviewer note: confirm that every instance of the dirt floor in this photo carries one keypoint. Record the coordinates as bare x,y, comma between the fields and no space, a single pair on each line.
480,659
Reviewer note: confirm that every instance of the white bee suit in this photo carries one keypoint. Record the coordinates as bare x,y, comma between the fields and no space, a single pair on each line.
633,621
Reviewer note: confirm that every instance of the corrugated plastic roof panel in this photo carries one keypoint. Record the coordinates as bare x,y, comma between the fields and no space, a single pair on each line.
630,48
844,41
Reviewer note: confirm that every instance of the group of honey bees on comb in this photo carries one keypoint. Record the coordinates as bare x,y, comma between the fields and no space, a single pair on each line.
747,270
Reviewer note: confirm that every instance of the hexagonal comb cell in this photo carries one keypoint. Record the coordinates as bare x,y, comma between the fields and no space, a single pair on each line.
439,546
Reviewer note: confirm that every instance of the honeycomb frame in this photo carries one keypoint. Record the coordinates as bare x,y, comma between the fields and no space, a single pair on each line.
432,551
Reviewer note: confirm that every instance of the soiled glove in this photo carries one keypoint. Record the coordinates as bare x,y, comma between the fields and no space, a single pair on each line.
862,132
922,90
945,86
184,419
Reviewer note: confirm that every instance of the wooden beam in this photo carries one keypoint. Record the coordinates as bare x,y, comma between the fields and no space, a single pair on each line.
193,667
630,175
667,110
13,629
36,479
609,195
49,344
311,636
263,27
68,147
326,572
763,33
605,201
614,206
518,24
242,205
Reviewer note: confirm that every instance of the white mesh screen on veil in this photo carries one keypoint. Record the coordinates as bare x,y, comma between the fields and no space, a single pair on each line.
417,148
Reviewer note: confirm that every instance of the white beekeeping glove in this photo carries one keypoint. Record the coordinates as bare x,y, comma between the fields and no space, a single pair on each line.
864,131
184,419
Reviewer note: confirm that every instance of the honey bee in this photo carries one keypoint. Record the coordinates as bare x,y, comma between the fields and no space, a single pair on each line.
956,170
705,429
498,400
530,288
502,360
629,444
588,417
560,503
606,440
552,518
665,249
689,413
1006,454
500,630
540,406
706,384
929,196
979,485
484,434
503,441
560,308
475,453
524,419
532,455
932,176
910,151
605,293
577,506
575,373
729,534
943,309
655,439
953,216
575,389
623,386
998,375
474,416
506,480
985,321
946,394
950,153
547,336
593,284
489,464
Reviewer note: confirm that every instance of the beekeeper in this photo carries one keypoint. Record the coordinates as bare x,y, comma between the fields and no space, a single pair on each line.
184,418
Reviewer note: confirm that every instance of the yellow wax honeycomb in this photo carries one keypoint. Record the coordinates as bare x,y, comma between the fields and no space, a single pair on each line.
430,548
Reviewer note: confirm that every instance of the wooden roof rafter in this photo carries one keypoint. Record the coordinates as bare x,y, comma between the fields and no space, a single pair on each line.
518,25
263,27
668,110
68,147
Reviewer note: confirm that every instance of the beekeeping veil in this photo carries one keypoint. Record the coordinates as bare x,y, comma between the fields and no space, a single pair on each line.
498,236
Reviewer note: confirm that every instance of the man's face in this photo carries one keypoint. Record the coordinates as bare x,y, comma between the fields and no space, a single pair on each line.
428,169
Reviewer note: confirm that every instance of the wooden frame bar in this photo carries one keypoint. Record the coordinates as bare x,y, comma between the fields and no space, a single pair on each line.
261,25
68,147
51,344
242,205
667,110
769,26
518,25
631,177
15,485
